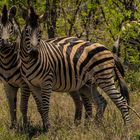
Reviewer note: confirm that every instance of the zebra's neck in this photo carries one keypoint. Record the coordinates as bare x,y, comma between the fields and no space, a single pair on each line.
9,57
25,47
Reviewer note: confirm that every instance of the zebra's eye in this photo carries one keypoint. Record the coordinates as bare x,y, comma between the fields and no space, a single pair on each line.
26,29
39,39
40,32
12,27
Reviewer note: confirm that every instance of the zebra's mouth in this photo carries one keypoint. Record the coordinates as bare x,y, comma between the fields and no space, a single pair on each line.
33,53
5,46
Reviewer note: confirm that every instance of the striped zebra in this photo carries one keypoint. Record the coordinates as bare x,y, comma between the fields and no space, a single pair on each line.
67,67
89,89
11,76
10,65
96,97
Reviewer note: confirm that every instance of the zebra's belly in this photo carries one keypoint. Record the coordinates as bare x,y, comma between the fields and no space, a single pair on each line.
32,82
73,82
68,86
60,83
56,86
13,81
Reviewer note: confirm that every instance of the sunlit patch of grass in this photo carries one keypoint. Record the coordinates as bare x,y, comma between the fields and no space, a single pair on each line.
62,126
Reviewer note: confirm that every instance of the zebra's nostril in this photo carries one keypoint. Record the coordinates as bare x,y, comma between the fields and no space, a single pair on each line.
5,42
2,41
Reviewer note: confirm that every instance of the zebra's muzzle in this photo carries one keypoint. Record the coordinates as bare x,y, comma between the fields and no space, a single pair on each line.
33,53
4,42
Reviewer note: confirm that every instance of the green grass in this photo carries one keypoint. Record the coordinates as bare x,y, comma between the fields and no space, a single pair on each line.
62,126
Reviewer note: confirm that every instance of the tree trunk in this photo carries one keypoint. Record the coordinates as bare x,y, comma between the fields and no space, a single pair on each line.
51,12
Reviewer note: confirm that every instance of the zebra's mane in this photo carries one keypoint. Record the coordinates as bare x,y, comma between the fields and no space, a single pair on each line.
4,15
33,18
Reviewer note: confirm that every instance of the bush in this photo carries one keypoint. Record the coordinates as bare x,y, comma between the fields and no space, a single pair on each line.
131,41
133,79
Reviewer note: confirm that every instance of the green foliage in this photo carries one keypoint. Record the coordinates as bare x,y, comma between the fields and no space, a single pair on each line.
133,78
138,136
98,21
131,39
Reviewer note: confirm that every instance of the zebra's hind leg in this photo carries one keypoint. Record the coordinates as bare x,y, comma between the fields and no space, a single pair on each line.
78,106
88,106
25,93
109,87
85,93
100,102
11,93
89,94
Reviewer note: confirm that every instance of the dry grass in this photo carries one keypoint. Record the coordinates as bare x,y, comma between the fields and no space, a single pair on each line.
61,119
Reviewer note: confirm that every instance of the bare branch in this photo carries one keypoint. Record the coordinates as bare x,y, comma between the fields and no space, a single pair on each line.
134,111
74,16
78,35
113,37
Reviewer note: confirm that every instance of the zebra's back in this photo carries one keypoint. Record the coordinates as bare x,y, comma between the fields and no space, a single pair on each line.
72,62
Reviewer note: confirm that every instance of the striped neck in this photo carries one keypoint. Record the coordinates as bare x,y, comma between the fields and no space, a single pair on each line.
26,50
10,48
9,57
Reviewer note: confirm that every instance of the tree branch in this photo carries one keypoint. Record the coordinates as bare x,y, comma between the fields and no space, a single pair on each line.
134,111
74,16
106,20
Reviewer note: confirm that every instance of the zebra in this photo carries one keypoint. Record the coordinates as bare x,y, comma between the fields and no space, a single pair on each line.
11,77
97,98
10,65
66,68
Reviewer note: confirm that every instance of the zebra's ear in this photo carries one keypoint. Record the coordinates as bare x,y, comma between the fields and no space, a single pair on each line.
4,15
25,15
33,18
12,12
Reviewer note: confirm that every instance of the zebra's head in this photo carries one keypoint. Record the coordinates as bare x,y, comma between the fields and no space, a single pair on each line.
9,29
32,30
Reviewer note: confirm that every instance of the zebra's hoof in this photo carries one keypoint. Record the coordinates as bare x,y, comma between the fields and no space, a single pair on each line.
46,128
77,122
13,126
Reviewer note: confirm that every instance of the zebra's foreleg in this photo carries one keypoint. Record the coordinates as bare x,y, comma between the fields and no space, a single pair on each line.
46,90
36,92
88,106
25,93
78,106
11,93
85,93
100,102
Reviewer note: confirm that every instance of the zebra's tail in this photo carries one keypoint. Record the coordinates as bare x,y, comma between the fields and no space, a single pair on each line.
123,87
119,65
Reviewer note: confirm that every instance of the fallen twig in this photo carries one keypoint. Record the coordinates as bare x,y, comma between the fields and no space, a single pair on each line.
134,111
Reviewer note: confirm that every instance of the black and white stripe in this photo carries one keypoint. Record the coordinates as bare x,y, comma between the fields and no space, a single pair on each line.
88,91
10,69
66,67
10,65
